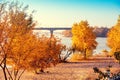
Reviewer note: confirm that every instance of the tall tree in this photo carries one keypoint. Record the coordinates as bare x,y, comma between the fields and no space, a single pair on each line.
3,37
19,46
15,31
83,38
113,40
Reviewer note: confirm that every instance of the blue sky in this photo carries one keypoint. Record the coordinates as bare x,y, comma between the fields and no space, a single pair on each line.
66,12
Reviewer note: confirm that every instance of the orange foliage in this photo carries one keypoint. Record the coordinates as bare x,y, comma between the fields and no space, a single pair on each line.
46,54
19,47
113,38
83,38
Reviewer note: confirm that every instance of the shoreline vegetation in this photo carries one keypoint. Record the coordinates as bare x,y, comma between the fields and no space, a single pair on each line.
99,31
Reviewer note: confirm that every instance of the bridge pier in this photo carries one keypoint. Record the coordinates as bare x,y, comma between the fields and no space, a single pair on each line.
51,33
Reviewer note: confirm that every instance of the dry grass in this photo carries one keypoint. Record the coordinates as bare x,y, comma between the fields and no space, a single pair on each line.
81,70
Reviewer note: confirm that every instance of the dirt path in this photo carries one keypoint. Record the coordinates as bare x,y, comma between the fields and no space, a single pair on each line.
82,70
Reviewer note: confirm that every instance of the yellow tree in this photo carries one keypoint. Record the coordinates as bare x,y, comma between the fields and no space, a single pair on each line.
113,38
19,47
3,25
83,38
15,32
46,54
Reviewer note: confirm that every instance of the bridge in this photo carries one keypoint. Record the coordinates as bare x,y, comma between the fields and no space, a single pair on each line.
52,29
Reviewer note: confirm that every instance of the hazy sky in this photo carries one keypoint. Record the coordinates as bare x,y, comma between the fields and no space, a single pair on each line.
66,12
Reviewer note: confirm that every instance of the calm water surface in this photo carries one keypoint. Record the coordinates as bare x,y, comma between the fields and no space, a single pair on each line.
67,41
100,40
101,43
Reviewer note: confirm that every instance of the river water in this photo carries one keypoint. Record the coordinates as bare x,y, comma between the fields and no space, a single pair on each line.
100,40
68,41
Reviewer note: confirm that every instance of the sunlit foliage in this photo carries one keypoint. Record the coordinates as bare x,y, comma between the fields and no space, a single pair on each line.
46,54
15,36
113,38
20,48
83,38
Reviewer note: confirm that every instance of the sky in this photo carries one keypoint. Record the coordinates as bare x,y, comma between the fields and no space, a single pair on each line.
64,13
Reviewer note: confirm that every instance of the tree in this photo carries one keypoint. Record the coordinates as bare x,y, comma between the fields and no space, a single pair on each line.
83,38
46,54
15,31
20,47
113,40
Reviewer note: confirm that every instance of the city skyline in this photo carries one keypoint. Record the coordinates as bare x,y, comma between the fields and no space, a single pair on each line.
52,13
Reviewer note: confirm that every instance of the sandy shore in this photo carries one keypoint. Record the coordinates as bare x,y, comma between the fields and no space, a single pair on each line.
82,70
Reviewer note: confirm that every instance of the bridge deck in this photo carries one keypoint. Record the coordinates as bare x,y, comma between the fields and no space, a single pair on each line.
61,28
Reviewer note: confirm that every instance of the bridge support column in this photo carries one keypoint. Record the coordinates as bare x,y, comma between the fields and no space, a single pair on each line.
51,33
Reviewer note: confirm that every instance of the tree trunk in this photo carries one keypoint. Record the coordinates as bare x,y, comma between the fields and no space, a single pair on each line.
21,74
3,68
85,54
15,74
67,55
5,75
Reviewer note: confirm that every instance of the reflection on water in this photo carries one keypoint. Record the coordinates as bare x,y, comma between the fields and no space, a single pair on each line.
68,41
101,43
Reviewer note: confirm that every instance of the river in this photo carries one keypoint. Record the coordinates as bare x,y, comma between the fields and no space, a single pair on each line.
100,40
67,41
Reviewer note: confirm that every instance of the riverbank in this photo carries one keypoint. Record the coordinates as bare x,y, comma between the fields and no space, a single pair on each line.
82,70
